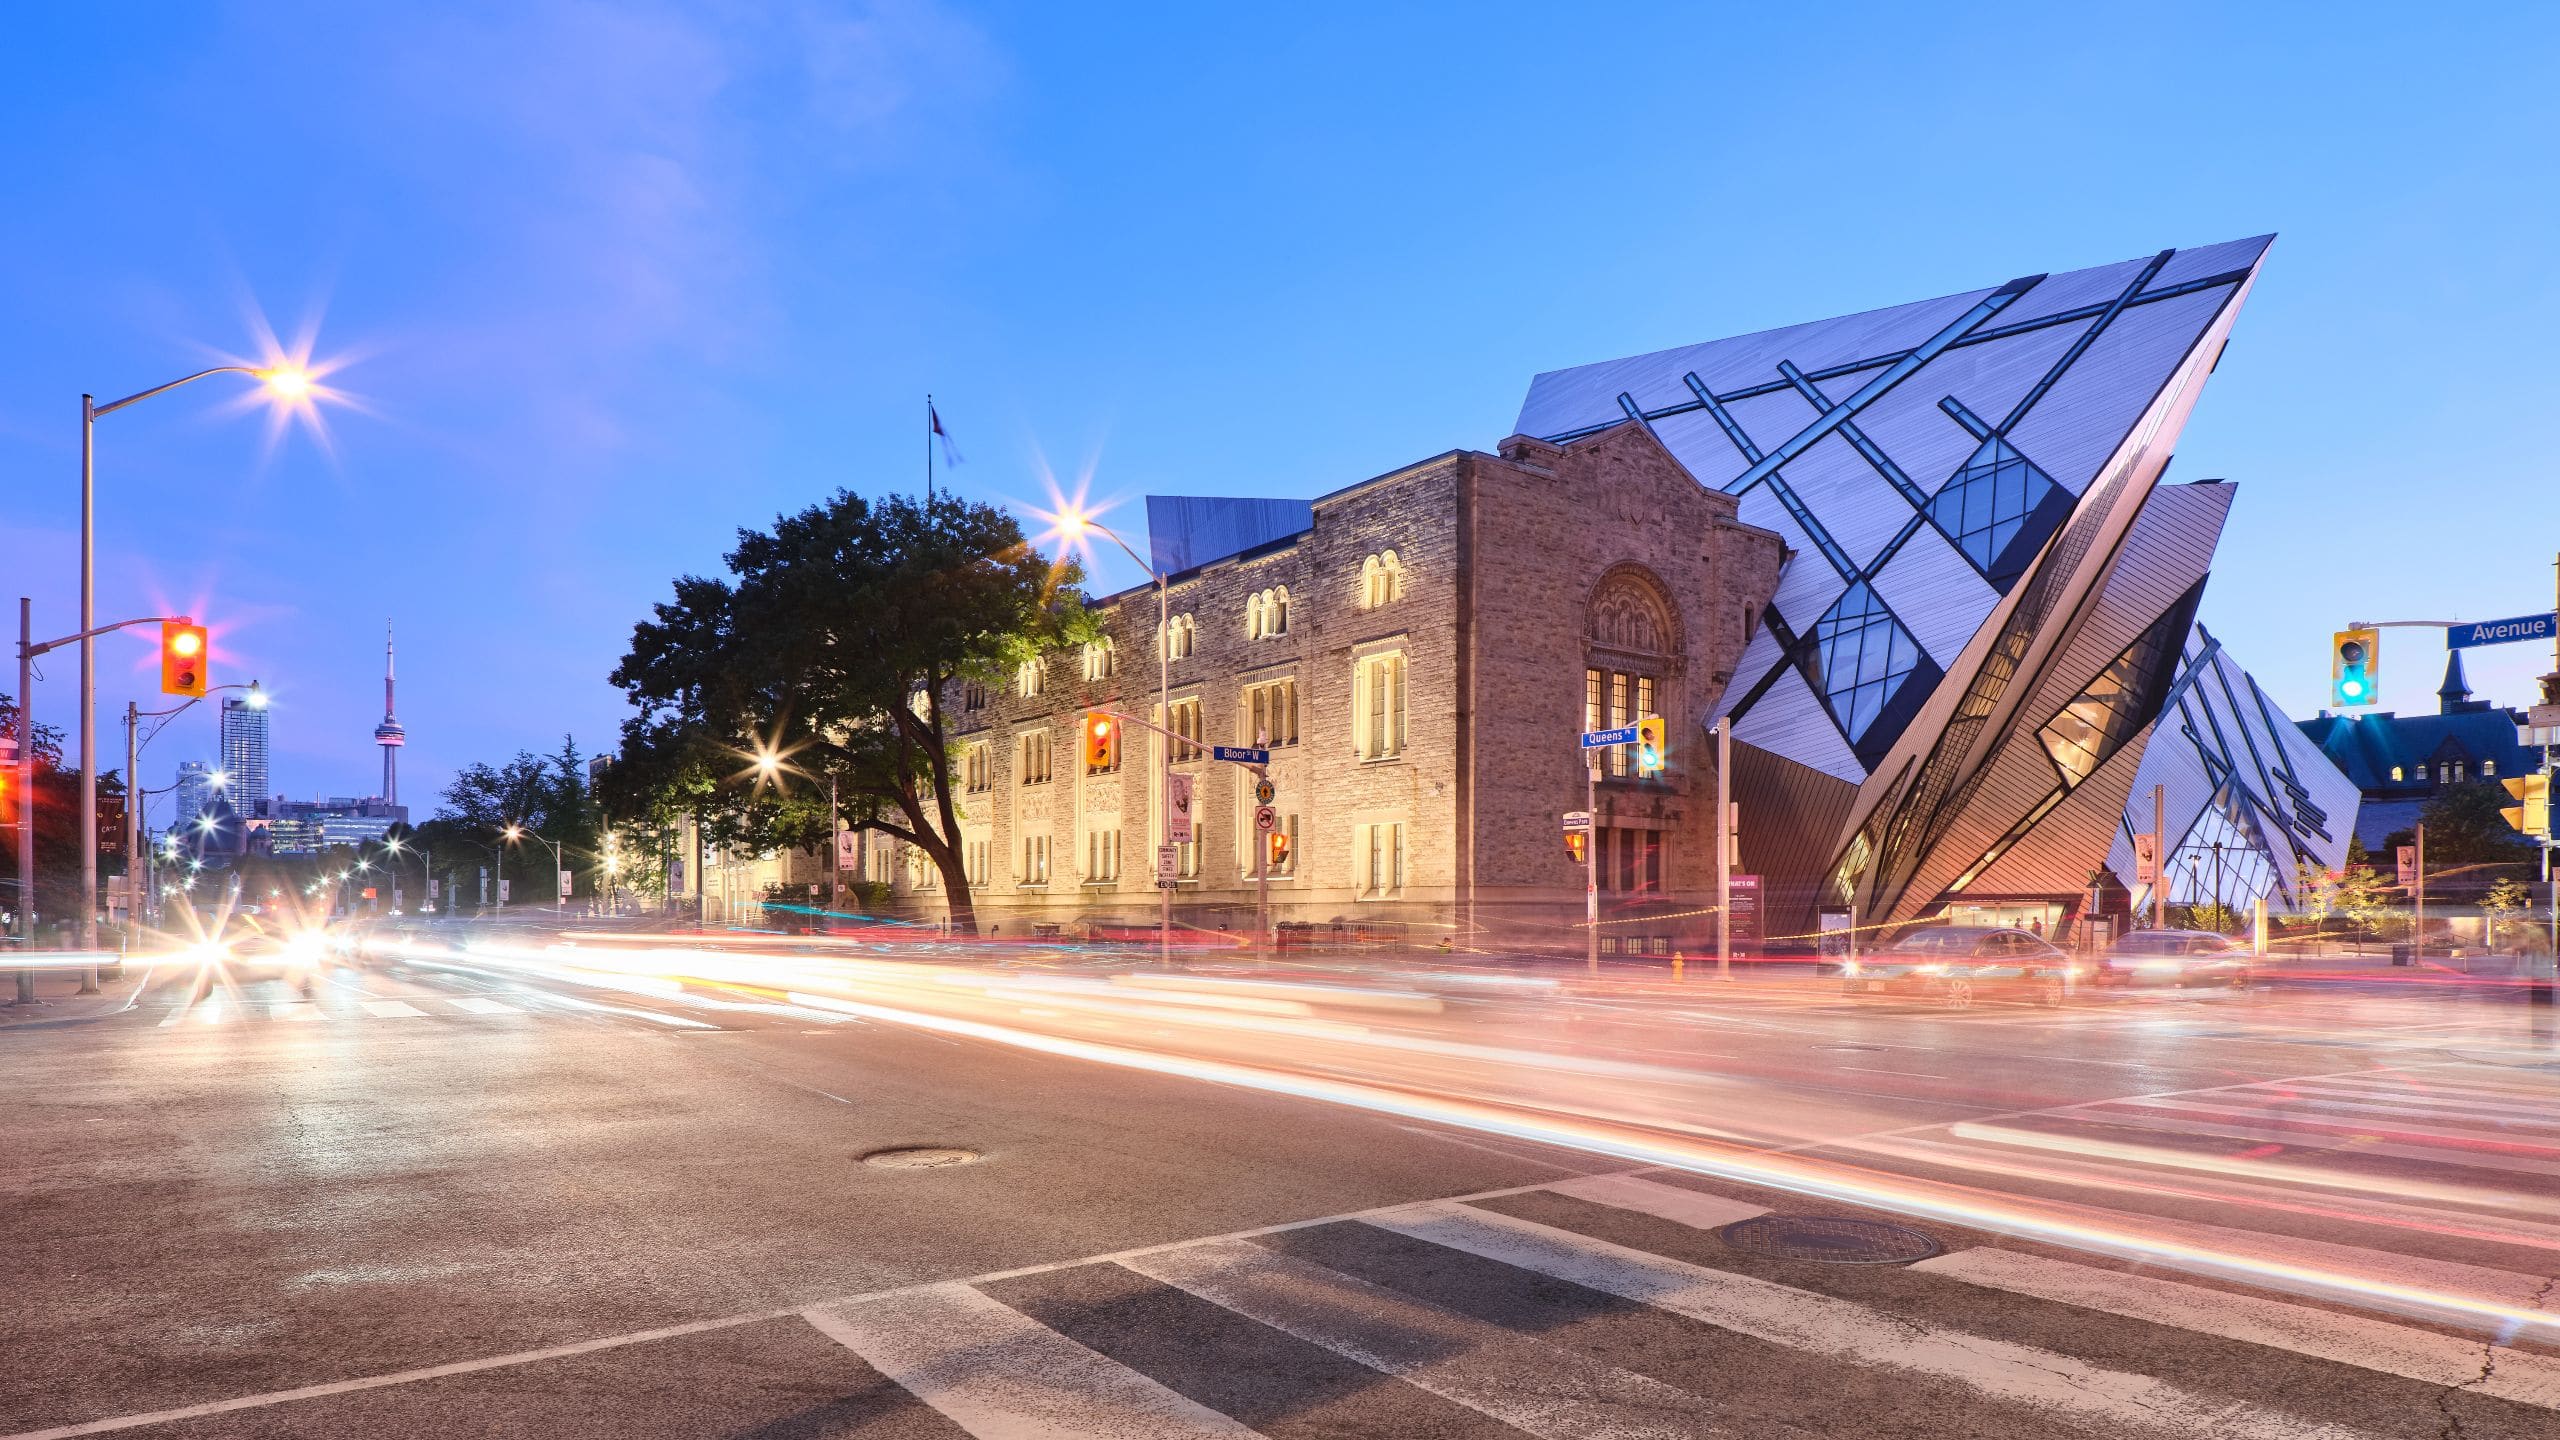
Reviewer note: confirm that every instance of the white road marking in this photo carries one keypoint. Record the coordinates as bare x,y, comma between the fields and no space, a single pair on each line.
1000,1375
1664,1202
2299,1139
391,1009
479,1006
2348,1339
295,1010
2341,1127
1524,1383
2110,1402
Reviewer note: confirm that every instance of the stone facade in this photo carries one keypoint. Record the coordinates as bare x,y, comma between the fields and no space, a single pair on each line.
1441,625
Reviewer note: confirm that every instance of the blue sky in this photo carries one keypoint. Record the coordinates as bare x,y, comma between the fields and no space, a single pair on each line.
610,280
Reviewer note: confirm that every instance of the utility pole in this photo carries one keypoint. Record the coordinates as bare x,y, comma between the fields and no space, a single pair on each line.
1724,849
2159,857
2418,912
26,795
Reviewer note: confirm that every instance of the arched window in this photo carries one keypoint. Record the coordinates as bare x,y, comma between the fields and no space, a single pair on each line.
1381,580
1633,643
1176,637
1101,661
1030,678
1267,614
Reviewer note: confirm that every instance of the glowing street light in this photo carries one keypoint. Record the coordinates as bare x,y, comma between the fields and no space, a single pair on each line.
288,382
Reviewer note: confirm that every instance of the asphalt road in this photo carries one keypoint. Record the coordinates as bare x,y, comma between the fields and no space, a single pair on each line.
515,1192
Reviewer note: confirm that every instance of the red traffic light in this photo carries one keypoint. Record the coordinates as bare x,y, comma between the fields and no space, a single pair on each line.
182,658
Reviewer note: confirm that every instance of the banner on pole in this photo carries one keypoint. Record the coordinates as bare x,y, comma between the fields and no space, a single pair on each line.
2146,859
847,842
564,884
1177,808
2408,865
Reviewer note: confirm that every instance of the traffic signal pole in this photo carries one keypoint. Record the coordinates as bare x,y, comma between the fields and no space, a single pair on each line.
26,797
1591,862
1724,849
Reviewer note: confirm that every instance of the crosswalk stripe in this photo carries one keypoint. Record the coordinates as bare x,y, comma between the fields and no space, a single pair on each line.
1526,1384
1001,1375
1651,1197
2348,1339
2533,1117
2267,1135
2412,1131
2112,1402
479,1006
2518,1107
391,1009
1972,1138
295,1010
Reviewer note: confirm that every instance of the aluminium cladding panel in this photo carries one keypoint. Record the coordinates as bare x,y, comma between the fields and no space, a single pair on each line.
2055,857
1907,422
1858,506
1184,531
1700,445
1585,395
1792,818
2071,290
1774,419
1790,721
1937,594
1757,657
2203,260
2089,413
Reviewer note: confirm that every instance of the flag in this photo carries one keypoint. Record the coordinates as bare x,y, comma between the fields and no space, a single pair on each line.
950,456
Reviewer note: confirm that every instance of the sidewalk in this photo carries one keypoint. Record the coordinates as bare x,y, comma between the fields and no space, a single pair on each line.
58,997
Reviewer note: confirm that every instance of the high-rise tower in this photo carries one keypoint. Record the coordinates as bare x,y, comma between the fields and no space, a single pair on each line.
388,734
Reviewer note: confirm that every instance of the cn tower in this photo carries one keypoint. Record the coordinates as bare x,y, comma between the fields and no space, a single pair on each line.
388,734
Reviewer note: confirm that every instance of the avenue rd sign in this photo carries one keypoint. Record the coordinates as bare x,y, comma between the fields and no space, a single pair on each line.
2499,632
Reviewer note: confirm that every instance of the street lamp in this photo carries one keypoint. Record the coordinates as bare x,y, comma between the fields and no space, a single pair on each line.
287,382
1072,525
134,744
559,861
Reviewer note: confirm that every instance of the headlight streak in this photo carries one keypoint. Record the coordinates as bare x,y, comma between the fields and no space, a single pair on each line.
1945,1204
1162,1020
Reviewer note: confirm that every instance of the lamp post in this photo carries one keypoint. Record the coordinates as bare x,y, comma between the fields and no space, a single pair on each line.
287,382
514,833
1071,525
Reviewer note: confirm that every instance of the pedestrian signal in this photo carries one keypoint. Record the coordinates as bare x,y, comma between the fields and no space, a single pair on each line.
1649,736
1101,742
182,658
2355,667
2531,814
1577,845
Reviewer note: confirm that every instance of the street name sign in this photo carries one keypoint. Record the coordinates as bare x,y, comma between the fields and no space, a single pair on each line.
1577,820
2499,632
1602,739
1240,754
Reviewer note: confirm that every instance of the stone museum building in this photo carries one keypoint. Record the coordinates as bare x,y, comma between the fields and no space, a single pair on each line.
1420,653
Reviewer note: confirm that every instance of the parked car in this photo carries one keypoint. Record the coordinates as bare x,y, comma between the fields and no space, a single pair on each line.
2175,957
1960,964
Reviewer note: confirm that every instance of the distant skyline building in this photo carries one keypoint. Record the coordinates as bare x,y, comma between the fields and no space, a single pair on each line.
388,734
195,791
307,827
244,754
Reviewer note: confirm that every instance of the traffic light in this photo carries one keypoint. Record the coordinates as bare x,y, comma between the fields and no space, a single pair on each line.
1279,851
182,658
1649,733
1577,845
2531,814
2355,667
1101,742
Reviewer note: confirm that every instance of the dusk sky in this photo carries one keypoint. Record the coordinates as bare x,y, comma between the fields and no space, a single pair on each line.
602,282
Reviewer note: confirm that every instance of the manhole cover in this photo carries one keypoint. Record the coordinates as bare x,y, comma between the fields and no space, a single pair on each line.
1831,1238
921,1157
1860,1048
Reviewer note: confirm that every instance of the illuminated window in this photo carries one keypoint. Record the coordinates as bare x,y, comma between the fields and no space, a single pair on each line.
1268,714
1266,615
1377,855
1378,706
1035,860
1031,757
2395,774
977,769
1101,662
1381,580
1614,698
1186,725
1101,856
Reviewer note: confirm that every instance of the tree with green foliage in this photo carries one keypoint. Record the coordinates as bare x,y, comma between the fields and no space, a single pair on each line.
2504,901
830,652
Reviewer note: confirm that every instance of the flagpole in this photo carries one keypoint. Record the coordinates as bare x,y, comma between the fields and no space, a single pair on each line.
928,447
